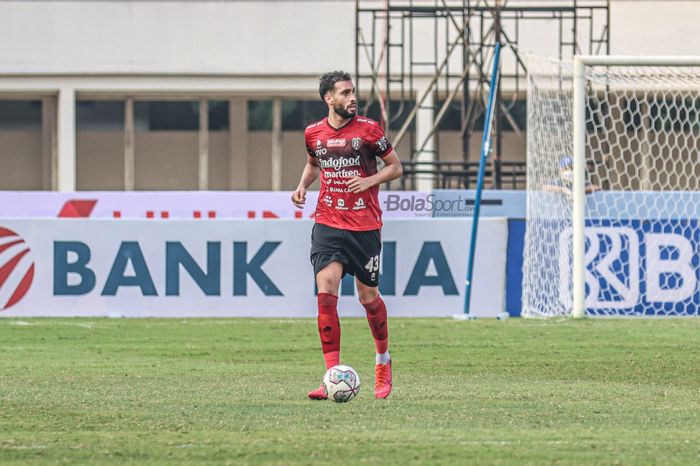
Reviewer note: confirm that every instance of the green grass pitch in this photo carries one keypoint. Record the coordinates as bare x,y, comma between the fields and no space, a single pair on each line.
233,391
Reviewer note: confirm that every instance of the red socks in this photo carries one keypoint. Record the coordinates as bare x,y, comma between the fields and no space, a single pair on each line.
376,316
329,328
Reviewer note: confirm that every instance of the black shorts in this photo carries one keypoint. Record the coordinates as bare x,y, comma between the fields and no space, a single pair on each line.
358,251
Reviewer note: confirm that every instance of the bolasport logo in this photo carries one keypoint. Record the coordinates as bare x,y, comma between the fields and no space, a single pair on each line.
428,206
16,268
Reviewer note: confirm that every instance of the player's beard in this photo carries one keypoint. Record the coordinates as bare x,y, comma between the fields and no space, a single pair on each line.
343,112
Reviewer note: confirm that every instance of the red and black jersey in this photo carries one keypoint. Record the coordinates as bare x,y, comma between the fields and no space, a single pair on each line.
342,154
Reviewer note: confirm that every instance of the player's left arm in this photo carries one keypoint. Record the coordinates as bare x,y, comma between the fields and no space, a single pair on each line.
591,188
392,170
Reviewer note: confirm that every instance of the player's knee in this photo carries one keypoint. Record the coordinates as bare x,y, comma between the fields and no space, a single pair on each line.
367,294
327,284
327,287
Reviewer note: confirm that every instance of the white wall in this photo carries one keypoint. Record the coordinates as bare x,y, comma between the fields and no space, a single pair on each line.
240,37
239,47
654,27
259,37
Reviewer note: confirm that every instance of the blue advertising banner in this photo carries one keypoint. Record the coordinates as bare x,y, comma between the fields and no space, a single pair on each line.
640,267
633,267
514,266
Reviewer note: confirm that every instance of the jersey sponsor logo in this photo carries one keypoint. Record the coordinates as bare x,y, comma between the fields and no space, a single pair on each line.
339,190
341,174
382,143
340,205
16,270
364,120
320,150
356,143
328,200
336,143
340,162
359,204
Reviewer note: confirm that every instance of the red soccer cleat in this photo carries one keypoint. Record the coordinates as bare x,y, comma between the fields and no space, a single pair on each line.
382,380
319,394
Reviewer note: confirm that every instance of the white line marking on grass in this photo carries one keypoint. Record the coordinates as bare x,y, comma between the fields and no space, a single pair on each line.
246,321
490,442
77,324
297,320
24,447
21,323
573,442
90,326
24,323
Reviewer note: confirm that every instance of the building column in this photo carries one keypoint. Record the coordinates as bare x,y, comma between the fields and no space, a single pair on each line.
424,123
66,140
276,167
129,150
203,145
238,143
49,177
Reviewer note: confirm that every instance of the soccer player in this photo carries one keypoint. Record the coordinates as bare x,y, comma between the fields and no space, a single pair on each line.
565,183
343,148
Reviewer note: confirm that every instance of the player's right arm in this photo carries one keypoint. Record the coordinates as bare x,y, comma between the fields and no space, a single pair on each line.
308,176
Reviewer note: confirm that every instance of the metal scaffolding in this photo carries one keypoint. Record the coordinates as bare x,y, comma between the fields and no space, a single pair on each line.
423,55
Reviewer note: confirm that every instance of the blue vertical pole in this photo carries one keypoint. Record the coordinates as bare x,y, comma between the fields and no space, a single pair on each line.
485,149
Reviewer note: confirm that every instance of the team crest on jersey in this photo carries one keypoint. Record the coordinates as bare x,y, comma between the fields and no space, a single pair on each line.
356,143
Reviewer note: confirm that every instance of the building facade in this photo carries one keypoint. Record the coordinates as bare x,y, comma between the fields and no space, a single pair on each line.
210,95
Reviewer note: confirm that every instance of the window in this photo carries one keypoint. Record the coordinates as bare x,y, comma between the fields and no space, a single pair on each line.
452,120
20,114
218,115
166,115
298,114
100,115
259,115
398,112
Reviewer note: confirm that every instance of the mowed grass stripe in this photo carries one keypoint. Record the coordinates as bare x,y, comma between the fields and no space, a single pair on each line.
233,391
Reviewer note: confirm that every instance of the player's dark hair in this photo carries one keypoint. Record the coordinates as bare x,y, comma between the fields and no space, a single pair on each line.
328,80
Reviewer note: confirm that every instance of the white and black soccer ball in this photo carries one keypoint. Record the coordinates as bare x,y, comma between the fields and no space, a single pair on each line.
342,383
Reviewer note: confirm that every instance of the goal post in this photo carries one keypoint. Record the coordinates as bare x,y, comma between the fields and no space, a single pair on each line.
627,131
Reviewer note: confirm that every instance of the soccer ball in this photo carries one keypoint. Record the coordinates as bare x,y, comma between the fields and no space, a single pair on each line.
342,383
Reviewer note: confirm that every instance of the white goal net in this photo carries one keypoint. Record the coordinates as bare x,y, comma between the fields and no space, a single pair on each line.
638,201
